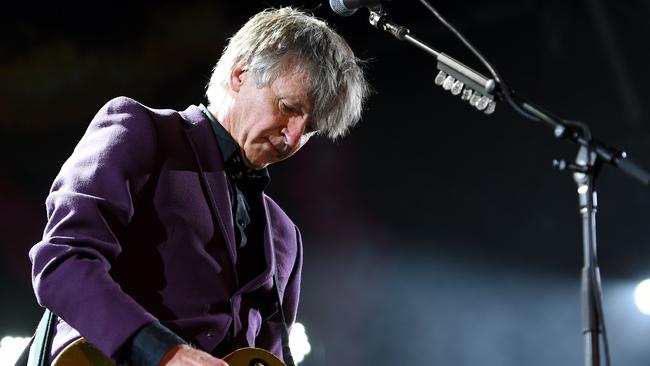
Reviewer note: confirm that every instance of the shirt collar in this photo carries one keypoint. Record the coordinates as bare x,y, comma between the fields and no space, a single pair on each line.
227,144
233,161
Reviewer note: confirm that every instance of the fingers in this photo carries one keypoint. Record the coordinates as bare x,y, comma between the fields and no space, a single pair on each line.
184,355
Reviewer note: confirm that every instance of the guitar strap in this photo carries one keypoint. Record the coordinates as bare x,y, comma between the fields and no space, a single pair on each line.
284,330
36,352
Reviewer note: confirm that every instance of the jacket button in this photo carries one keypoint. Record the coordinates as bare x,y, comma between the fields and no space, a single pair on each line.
210,335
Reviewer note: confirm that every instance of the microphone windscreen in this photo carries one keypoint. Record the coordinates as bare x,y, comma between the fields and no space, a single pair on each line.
338,6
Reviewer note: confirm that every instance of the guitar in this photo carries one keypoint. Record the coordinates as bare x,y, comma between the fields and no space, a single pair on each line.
83,353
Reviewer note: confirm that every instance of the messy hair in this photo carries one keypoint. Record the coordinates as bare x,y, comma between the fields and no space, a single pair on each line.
276,41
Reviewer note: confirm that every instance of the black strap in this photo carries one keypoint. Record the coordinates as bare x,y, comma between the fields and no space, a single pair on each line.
284,330
39,353
36,353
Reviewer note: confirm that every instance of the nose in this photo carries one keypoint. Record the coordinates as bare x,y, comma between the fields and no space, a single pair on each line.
293,131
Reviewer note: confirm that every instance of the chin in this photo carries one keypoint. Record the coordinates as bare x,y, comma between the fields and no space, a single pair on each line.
259,159
259,166
254,164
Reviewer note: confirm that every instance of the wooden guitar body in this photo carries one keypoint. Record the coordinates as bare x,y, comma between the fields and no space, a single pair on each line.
83,353
252,357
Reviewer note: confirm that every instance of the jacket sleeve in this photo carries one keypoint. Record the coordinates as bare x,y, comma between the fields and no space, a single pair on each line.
270,333
90,202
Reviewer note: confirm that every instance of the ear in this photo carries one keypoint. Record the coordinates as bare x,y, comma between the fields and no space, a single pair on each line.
237,77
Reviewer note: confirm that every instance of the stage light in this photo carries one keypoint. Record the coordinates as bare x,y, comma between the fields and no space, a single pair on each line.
473,100
299,343
440,78
448,83
642,296
457,87
483,103
10,349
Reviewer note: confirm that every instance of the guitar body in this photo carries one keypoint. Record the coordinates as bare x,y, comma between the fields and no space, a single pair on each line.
83,353
252,357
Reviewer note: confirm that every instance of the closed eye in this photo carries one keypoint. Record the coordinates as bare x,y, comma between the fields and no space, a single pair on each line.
287,109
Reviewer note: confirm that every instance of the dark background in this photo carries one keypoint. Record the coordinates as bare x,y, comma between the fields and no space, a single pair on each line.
434,234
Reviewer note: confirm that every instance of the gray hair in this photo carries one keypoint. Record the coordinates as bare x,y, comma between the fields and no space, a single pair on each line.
279,40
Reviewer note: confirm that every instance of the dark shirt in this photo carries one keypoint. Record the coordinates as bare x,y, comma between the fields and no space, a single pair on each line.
154,340
246,186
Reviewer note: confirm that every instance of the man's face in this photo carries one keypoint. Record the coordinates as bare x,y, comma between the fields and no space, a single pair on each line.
270,123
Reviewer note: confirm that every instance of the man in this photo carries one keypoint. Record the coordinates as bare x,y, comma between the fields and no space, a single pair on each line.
161,246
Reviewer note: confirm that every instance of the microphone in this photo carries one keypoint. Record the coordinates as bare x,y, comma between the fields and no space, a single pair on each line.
345,8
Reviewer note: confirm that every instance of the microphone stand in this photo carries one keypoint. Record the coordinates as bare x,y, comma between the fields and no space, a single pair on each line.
482,93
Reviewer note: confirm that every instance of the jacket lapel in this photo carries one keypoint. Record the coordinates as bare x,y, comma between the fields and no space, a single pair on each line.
210,162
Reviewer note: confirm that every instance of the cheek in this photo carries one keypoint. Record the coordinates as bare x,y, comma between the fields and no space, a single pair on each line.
264,127
254,129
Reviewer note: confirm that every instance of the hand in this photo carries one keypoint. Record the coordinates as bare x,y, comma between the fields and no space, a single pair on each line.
184,355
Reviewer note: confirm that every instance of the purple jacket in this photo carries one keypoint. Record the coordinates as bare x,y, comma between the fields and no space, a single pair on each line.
140,228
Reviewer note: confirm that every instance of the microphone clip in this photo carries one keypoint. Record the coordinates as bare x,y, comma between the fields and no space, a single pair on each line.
381,20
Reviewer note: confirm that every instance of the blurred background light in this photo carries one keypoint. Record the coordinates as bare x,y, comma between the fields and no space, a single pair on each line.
642,296
299,343
10,349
